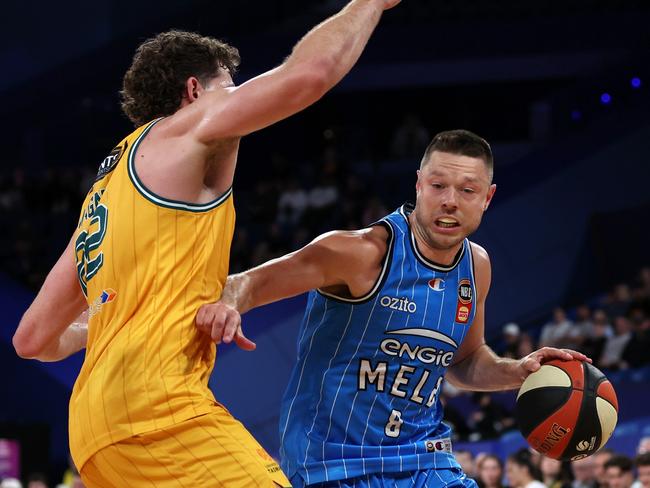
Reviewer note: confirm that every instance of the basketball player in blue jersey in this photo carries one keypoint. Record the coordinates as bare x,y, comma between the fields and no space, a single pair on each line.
393,309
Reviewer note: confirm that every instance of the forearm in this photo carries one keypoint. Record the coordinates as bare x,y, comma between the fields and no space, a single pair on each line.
279,278
483,370
255,287
339,41
73,339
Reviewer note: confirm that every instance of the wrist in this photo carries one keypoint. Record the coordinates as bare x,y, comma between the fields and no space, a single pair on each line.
515,372
234,292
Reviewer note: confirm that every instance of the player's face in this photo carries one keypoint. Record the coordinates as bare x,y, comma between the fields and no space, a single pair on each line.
453,191
219,82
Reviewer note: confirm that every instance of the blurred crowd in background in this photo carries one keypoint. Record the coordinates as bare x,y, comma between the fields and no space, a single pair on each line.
351,159
526,468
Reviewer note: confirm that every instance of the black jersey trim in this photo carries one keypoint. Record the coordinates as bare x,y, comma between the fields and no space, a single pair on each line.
161,201
473,273
388,258
408,207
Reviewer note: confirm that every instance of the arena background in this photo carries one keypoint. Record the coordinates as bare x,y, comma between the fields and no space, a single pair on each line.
560,89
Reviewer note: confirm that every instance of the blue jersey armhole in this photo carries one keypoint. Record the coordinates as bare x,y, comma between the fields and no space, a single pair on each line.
388,259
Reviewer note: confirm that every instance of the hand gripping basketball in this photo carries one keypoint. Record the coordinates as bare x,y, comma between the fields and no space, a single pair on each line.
222,322
567,409
531,363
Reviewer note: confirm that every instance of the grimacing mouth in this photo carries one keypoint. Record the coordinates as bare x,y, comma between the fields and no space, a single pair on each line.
447,222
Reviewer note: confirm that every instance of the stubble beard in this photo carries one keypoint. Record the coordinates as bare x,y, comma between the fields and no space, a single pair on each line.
435,242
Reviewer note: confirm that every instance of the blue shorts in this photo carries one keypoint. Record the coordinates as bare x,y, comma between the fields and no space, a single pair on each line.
427,478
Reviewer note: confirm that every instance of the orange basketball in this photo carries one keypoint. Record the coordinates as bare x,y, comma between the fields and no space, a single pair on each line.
567,409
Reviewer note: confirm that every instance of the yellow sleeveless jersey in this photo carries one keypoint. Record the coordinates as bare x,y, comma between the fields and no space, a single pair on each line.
146,264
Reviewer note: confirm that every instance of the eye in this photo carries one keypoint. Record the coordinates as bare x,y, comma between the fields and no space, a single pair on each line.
468,190
436,185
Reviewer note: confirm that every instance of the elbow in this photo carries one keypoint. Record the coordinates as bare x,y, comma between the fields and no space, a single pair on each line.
25,347
316,77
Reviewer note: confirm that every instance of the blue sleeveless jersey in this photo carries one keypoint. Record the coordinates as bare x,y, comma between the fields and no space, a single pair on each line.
363,396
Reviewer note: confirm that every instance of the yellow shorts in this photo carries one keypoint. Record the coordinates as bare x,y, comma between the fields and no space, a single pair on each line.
208,451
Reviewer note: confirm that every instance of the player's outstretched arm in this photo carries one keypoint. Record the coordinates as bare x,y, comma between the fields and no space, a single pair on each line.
345,261
476,367
317,63
55,324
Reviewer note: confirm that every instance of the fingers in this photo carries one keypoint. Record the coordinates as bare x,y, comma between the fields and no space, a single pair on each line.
534,360
244,342
233,323
531,363
578,355
222,323
218,324
549,353
204,318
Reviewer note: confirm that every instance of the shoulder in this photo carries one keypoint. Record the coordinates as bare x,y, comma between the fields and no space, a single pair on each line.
351,260
479,254
482,269
370,243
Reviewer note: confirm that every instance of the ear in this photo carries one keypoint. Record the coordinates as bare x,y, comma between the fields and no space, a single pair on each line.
193,89
490,194
418,185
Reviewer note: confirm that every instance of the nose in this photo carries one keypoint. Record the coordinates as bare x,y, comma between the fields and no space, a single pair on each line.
450,199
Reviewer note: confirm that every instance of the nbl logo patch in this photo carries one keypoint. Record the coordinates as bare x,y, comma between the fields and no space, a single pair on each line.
465,299
465,291
111,161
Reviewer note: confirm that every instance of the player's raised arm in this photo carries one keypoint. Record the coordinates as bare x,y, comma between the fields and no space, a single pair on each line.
317,63
55,324
345,262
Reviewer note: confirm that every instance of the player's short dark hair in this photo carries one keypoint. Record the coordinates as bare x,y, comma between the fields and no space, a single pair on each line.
642,459
153,85
463,143
624,463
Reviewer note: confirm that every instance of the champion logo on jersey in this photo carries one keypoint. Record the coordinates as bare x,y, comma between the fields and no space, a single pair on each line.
437,284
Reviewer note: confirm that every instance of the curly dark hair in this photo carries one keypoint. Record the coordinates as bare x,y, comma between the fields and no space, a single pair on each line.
153,85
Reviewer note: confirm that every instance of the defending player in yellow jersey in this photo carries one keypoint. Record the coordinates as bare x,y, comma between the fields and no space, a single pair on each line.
152,245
